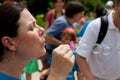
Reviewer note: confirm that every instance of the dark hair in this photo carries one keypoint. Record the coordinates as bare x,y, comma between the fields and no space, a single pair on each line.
72,8
100,11
9,16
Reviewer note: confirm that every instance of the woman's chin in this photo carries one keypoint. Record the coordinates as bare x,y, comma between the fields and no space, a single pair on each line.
44,52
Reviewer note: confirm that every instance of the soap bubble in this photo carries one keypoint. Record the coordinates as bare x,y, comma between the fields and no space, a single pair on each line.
97,49
106,50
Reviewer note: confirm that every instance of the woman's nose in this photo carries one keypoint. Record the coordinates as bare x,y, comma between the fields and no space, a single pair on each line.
41,31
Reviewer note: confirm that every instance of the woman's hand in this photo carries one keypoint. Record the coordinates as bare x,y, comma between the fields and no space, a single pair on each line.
62,63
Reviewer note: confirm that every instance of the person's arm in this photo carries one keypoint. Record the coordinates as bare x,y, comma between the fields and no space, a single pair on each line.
79,75
48,18
62,63
47,24
52,40
84,67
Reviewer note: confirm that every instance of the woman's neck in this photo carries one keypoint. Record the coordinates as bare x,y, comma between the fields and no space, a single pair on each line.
58,13
12,66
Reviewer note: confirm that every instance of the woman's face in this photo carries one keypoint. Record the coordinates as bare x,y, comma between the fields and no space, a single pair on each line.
29,41
59,4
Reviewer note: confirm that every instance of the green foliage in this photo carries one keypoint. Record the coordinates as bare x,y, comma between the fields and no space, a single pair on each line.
89,5
51,5
40,20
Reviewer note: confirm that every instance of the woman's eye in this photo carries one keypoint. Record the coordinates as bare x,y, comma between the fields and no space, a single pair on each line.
32,27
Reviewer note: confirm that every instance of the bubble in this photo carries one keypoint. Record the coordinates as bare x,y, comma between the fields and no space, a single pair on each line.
97,49
106,50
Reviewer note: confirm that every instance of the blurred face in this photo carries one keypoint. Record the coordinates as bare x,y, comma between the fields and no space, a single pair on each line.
66,38
59,4
78,16
29,42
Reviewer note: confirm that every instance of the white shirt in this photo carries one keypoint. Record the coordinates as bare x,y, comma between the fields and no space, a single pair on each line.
105,63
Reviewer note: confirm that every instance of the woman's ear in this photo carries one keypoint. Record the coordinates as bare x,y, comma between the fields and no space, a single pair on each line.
8,43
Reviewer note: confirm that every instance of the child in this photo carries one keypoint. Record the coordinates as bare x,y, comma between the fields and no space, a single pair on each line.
68,37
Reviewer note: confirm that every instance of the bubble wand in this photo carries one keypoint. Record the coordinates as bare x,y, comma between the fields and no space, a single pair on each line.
71,45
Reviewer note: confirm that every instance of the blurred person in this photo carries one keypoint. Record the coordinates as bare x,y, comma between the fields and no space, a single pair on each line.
98,12
109,6
22,40
83,20
101,61
54,13
78,25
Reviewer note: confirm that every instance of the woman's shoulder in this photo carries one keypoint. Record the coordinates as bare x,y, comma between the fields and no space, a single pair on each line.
51,11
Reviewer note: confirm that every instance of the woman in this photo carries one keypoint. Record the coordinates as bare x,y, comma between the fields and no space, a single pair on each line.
54,13
22,40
